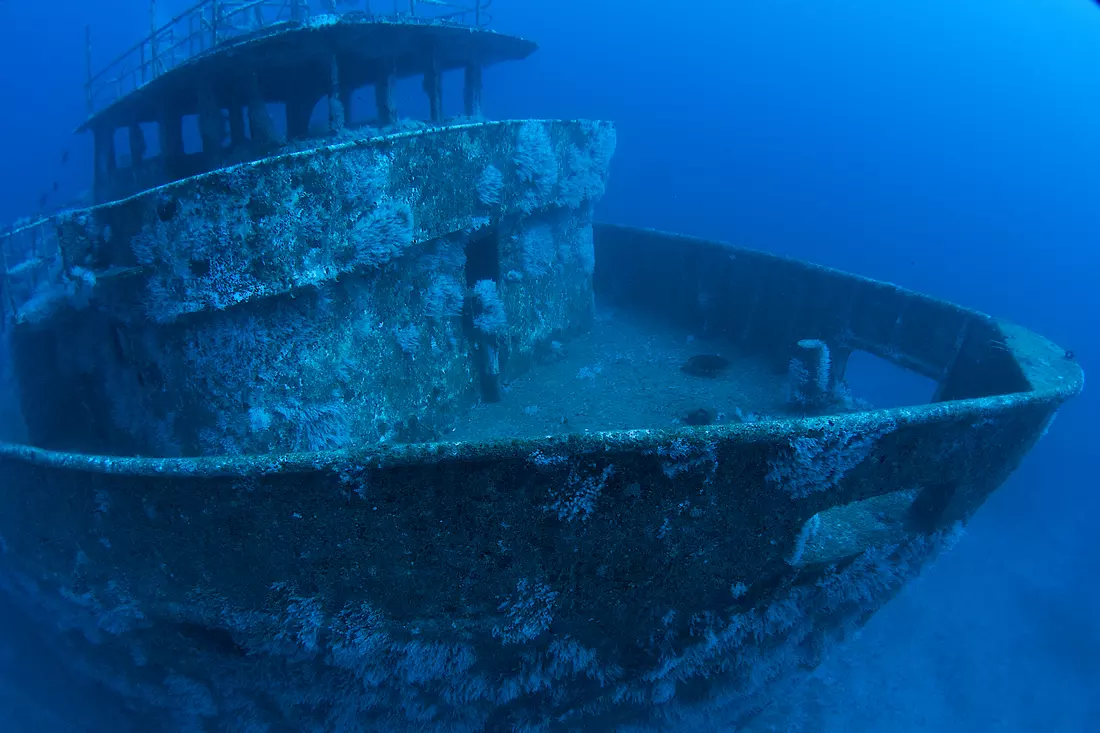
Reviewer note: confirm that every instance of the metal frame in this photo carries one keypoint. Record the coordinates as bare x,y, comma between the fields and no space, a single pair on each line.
209,23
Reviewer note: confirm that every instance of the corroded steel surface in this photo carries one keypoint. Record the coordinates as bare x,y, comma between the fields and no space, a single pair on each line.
570,583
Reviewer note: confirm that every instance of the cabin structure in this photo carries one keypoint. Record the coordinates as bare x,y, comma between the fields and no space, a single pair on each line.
395,271
249,75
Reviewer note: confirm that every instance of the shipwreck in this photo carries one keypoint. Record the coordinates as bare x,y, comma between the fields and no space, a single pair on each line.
313,423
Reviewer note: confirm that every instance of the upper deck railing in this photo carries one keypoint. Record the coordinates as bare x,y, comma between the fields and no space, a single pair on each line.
210,23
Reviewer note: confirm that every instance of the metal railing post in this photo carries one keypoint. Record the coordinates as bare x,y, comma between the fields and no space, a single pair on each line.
153,38
88,60
214,13
5,283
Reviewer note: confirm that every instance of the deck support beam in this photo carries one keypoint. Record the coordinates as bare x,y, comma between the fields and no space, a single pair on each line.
383,95
337,98
211,126
170,133
433,87
260,126
137,145
237,137
471,90
299,110
105,162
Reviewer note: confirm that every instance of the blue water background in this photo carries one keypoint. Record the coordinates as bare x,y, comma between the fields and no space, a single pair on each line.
952,147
